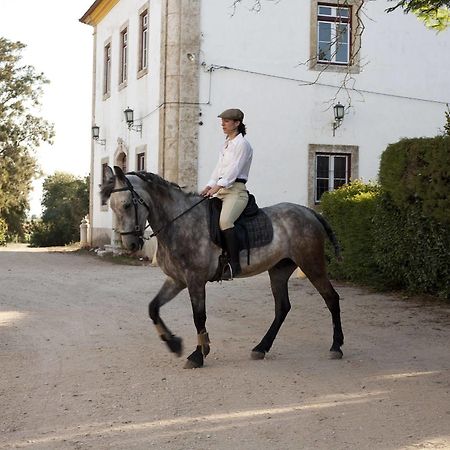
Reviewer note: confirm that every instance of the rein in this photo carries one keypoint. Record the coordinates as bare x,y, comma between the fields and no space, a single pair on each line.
138,200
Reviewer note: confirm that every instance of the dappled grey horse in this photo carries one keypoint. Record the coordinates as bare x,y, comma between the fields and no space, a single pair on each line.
189,258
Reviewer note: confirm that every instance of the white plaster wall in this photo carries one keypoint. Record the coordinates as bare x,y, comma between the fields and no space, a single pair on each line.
403,85
140,94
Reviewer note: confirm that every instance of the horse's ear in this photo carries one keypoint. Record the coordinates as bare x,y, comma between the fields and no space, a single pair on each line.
119,173
109,182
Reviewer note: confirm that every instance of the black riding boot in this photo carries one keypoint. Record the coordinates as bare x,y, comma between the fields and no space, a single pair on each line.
233,253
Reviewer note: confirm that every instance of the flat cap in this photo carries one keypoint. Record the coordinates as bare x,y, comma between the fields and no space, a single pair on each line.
232,114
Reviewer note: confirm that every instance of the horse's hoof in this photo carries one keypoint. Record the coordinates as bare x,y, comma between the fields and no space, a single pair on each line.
175,345
195,359
258,355
191,365
336,354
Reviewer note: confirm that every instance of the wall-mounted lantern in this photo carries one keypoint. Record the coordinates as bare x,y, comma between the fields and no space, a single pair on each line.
339,111
96,135
129,118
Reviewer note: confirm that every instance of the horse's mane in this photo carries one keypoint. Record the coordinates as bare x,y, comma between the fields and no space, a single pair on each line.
157,180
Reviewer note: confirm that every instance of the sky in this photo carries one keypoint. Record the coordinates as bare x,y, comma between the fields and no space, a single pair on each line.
61,47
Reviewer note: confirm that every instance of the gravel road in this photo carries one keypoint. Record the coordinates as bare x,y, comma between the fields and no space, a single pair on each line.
83,368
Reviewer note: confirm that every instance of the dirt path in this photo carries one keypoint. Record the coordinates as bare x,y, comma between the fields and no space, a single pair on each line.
81,366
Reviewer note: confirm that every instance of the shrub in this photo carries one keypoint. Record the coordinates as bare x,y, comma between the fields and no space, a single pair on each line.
417,172
3,232
350,211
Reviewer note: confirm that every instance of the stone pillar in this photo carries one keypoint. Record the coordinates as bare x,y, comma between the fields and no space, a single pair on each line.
179,116
84,233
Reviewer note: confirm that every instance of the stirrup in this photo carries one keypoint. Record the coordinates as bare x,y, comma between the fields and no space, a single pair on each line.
227,275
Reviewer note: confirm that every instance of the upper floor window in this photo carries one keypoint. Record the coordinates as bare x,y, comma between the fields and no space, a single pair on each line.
107,70
123,76
143,40
333,28
331,172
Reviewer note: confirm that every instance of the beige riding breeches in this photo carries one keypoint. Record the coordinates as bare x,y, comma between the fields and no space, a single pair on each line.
234,200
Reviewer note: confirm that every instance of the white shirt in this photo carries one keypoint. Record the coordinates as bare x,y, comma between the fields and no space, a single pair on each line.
234,162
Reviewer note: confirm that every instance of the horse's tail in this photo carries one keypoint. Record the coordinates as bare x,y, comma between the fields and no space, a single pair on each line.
330,234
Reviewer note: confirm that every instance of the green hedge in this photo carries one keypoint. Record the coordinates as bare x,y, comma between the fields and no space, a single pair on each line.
411,250
397,235
350,211
416,172
3,232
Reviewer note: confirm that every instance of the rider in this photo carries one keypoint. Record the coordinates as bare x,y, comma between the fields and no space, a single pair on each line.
228,180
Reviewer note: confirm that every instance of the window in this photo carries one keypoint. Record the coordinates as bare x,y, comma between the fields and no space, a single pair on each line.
123,56
140,162
107,70
143,42
336,31
329,167
331,172
104,168
333,28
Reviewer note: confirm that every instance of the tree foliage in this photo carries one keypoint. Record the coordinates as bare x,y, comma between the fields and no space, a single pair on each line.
65,202
434,13
21,132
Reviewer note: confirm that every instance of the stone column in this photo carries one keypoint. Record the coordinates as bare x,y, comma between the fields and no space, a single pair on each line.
179,115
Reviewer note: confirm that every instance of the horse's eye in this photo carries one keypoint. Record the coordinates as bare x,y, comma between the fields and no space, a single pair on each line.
127,206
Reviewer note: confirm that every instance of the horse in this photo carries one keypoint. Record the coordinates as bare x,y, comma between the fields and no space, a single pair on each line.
189,258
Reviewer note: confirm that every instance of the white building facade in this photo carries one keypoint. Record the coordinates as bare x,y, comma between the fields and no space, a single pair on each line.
179,63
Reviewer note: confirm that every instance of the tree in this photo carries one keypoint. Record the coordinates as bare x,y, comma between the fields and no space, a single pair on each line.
65,202
434,13
21,132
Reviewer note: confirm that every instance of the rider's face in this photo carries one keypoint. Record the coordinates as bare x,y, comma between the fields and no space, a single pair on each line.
230,126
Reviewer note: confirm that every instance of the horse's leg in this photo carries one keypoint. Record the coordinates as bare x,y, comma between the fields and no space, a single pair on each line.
197,294
279,276
316,272
168,291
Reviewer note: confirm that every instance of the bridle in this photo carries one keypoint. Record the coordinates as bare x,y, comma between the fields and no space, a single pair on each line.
138,200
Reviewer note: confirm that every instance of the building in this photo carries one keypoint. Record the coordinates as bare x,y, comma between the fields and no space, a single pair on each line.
178,63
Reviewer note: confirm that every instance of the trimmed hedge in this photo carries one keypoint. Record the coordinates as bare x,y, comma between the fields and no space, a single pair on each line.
417,172
397,235
412,251
350,211
3,232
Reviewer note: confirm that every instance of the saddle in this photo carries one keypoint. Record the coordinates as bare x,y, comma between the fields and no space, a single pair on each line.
253,228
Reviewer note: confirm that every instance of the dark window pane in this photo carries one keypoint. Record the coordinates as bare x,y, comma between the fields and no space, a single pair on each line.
338,183
340,163
321,187
323,170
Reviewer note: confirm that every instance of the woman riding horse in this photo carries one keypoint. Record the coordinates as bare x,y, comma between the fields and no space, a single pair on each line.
227,183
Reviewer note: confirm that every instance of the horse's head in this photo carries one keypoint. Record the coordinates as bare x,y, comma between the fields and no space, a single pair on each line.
129,206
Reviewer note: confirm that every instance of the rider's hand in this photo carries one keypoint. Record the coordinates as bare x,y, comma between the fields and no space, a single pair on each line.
205,191
213,190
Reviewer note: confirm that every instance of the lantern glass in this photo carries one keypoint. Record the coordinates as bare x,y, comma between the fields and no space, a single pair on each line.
339,111
129,116
95,132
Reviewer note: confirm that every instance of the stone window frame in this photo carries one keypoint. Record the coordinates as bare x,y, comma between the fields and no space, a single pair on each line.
141,71
314,149
354,65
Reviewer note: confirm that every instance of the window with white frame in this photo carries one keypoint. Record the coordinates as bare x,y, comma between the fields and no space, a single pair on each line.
333,34
143,40
107,69
123,76
331,172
